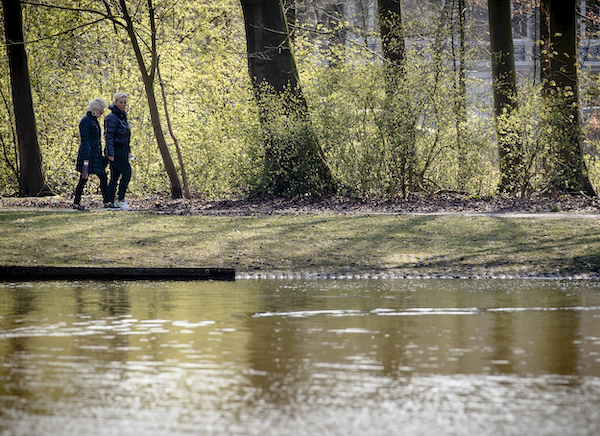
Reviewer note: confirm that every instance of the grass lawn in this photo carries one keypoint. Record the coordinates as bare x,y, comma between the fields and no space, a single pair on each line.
435,245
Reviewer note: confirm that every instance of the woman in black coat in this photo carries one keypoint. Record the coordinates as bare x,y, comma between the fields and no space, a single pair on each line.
89,156
117,135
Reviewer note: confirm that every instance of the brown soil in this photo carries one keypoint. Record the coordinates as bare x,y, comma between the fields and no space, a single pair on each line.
440,203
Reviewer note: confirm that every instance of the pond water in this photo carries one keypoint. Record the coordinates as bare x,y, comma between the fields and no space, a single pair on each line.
291,357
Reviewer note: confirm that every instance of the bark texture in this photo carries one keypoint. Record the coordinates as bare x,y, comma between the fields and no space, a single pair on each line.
31,176
294,161
562,92
400,112
505,93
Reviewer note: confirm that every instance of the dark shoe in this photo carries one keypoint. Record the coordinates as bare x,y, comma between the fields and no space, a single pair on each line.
78,207
111,206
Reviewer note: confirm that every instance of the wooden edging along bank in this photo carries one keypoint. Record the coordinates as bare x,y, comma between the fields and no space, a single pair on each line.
113,273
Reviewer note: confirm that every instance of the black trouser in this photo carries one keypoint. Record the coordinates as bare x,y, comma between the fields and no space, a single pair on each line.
119,168
81,185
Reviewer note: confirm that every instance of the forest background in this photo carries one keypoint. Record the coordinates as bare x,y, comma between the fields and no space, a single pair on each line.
75,55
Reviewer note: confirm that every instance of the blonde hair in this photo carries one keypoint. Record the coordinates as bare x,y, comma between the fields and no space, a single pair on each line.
119,95
97,104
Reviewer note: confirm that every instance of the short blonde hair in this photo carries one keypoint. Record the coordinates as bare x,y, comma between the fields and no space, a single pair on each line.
119,95
97,104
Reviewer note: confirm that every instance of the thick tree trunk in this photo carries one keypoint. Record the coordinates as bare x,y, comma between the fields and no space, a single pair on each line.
563,88
392,35
31,177
505,93
148,79
400,115
294,161
270,58
503,58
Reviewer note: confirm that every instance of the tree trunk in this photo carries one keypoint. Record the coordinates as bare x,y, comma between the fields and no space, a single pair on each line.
186,188
333,21
160,138
294,161
392,35
31,177
148,79
505,94
399,113
563,93
545,51
461,99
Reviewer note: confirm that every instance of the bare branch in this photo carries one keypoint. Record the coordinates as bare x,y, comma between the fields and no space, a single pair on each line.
32,41
134,40
106,16
154,61
109,12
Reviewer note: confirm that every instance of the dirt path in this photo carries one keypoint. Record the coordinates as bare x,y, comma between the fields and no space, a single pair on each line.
560,207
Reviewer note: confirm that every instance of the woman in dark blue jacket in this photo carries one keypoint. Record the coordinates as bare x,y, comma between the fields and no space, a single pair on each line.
89,156
117,135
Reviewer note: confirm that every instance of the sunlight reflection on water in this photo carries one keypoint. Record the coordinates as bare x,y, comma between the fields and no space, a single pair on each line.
273,357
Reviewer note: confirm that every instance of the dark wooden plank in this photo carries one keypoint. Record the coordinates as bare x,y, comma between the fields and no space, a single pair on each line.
113,273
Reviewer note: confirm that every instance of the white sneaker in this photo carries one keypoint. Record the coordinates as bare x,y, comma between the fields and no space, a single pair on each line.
123,205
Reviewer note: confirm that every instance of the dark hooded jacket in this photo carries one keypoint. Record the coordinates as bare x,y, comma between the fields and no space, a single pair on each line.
117,134
90,147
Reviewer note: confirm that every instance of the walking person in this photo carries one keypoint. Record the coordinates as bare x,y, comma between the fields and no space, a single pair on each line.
117,135
89,156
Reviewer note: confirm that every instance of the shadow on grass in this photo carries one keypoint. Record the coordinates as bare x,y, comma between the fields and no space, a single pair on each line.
421,244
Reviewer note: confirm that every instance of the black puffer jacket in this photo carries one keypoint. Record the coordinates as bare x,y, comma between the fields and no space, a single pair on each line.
117,134
90,147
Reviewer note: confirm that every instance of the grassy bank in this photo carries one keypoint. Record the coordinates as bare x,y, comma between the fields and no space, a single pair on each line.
305,244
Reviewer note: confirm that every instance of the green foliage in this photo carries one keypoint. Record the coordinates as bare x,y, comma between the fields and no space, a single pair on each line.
562,137
206,83
524,129
374,143
545,129
366,134
293,159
